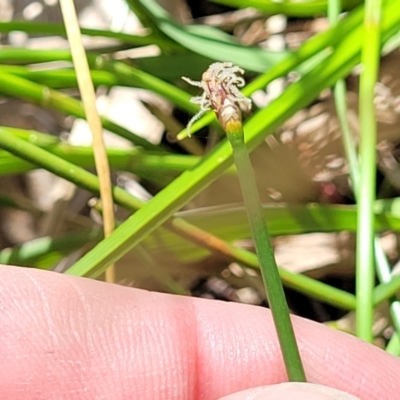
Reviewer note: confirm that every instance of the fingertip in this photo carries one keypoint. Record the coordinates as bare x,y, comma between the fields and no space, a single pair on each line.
291,391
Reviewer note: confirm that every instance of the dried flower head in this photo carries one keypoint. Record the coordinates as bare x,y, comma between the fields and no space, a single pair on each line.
220,84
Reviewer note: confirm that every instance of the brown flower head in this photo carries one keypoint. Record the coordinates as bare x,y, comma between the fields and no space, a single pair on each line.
220,84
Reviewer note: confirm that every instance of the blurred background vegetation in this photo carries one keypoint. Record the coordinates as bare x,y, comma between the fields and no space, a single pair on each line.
190,235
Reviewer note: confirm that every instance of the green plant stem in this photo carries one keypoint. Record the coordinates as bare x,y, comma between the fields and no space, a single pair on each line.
334,9
59,167
158,168
365,273
288,8
382,265
268,267
28,253
384,275
59,78
385,291
44,96
113,73
393,346
48,28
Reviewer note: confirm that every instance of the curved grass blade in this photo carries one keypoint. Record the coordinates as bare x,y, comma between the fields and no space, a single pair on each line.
59,78
121,74
39,250
21,88
156,167
302,8
205,40
49,28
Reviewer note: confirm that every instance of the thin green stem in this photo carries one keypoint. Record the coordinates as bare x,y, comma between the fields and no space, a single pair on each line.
385,291
65,169
334,9
288,8
385,275
365,273
21,88
265,253
28,253
48,28
382,265
348,141
220,83
157,168
393,346
59,78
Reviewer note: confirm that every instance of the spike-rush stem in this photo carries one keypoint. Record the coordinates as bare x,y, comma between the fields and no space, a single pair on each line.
221,94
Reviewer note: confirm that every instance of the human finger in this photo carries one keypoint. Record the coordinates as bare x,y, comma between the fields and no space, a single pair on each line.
291,391
71,338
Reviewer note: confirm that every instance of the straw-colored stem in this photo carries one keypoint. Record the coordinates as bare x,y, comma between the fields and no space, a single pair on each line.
88,95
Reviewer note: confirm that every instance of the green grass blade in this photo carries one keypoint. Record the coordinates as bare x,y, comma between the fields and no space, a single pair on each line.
60,78
60,167
385,275
365,271
22,56
382,265
161,168
286,219
288,8
29,253
385,291
21,88
49,28
205,40
393,346
112,71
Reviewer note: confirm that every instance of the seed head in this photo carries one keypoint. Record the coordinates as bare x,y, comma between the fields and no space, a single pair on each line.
220,84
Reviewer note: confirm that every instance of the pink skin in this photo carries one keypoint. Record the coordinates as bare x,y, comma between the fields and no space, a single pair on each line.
70,338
